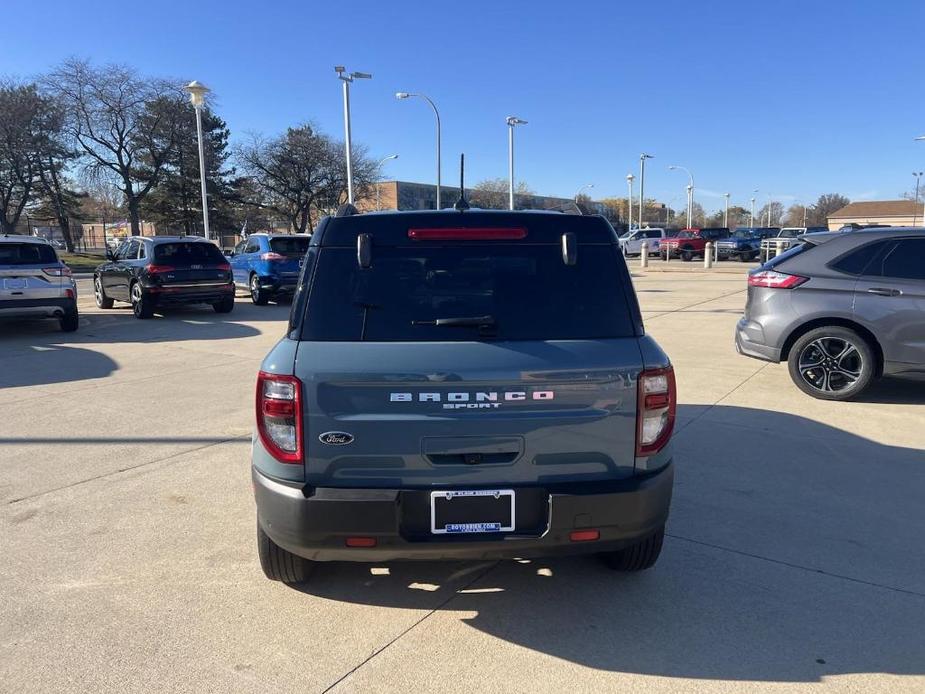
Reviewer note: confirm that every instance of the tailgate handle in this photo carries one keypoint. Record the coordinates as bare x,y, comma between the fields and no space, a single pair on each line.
472,450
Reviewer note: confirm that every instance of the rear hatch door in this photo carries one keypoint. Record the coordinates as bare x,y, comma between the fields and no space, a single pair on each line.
530,378
290,251
29,270
190,264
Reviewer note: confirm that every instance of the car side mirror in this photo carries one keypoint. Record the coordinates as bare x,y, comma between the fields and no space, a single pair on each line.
110,255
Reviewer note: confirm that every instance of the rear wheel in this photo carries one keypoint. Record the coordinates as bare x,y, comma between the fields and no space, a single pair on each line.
70,320
141,302
832,363
258,295
99,293
277,563
638,557
226,305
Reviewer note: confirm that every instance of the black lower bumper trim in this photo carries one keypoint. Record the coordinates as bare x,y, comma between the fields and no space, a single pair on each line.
317,526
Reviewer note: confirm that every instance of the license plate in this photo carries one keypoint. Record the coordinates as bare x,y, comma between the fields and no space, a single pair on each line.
15,283
472,511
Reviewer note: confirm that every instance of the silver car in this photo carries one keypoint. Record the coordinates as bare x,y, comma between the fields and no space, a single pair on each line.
34,283
842,309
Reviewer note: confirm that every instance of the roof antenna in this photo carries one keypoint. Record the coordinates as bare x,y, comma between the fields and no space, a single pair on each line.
461,204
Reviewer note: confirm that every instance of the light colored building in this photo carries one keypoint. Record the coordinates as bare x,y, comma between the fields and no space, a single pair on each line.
404,195
897,213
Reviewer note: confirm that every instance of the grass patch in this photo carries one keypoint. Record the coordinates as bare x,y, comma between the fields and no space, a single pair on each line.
81,262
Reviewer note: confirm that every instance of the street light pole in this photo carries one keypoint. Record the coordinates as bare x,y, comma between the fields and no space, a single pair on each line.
751,215
642,186
921,138
405,95
347,78
769,209
690,193
726,211
629,202
511,122
379,175
587,185
197,94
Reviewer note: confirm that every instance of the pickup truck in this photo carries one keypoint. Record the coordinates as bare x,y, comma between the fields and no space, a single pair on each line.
631,242
745,243
787,238
691,243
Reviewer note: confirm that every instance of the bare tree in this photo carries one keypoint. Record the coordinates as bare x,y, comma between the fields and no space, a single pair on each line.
302,174
494,193
122,124
20,113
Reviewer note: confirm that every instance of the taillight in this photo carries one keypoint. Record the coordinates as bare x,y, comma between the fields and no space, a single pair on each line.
58,271
775,280
158,269
272,256
223,266
468,234
279,416
655,410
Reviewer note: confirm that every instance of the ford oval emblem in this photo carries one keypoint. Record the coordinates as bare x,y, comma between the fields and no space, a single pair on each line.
336,438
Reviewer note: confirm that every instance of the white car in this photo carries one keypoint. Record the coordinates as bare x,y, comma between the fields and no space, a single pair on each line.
631,242
34,283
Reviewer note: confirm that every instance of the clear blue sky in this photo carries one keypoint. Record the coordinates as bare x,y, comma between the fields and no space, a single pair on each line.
793,98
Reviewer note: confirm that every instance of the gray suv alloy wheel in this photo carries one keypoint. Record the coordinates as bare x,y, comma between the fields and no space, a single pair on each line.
831,363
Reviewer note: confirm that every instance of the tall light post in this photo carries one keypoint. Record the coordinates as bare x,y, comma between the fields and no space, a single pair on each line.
511,122
921,138
690,193
751,214
918,176
769,209
347,78
629,202
406,95
585,186
379,175
197,96
642,186
726,211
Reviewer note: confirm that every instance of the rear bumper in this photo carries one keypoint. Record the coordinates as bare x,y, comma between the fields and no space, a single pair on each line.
50,307
279,285
315,522
166,296
750,341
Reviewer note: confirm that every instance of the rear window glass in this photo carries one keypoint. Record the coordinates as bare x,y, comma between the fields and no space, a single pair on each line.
526,290
181,253
295,245
26,254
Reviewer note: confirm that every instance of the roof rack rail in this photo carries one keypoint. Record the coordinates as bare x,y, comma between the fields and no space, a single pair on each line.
346,210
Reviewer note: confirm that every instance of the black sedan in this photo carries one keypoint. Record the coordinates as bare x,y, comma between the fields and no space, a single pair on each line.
151,273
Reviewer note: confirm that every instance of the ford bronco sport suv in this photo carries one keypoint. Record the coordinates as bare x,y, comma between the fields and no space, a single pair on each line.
459,385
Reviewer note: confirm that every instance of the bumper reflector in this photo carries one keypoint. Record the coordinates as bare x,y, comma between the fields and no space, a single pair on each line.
584,535
360,542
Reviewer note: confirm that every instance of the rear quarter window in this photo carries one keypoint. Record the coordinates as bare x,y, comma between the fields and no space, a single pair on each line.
856,261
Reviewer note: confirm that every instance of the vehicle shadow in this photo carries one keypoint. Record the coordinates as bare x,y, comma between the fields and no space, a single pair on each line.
768,573
36,352
896,391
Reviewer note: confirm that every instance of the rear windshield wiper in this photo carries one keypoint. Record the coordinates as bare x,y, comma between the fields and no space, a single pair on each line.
463,322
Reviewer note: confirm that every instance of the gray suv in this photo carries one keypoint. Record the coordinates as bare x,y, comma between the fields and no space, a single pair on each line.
34,283
841,309
462,385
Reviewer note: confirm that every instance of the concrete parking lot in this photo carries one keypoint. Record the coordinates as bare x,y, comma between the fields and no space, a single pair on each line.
794,560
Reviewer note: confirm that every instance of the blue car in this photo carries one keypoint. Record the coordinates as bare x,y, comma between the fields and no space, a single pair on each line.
268,265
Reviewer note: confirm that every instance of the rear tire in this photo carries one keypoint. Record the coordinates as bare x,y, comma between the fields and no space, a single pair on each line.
277,563
141,303
638,557
832,363
102,301
258,295
70,320
226,305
